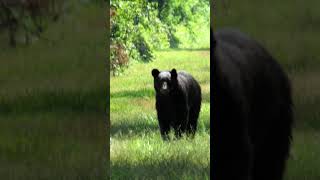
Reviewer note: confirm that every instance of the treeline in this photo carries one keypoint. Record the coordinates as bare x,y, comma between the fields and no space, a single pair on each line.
30,18
139,27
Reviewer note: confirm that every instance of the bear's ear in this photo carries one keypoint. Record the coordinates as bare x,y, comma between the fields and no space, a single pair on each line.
173,73
155,72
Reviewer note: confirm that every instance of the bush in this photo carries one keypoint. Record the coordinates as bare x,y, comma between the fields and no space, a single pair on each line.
135,25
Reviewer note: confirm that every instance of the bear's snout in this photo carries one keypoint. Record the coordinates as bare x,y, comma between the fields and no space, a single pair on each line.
164,88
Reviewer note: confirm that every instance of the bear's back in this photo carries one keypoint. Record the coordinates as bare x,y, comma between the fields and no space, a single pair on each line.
190,86
250,61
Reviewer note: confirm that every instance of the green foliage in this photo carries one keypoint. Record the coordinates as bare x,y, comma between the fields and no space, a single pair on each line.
140,27
188,13
136,28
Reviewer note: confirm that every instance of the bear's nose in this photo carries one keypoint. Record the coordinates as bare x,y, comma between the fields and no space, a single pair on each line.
164,86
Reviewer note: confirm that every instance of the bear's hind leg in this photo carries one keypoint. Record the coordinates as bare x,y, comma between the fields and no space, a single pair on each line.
181,122
269,162
193,121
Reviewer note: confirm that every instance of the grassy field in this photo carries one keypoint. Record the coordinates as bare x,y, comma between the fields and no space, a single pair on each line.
53,101
137,150
290,30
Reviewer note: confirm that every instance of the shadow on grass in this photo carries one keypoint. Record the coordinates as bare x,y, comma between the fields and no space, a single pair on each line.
133,94
59,100
141,93
52,146
164,169
29,170
138,128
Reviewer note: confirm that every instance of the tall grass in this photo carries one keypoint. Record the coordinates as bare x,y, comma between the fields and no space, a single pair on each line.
53,101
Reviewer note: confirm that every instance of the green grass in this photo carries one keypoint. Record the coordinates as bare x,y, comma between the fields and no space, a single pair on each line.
200,39
137,150
290,31
53,101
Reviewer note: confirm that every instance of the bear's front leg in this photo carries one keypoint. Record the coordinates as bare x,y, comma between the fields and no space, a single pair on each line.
164,123
164,131
180,124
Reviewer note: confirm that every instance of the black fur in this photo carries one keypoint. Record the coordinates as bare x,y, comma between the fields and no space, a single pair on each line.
252,110
178,102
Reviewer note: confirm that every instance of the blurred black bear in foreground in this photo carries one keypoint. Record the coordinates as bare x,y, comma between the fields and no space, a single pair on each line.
178,102
252,110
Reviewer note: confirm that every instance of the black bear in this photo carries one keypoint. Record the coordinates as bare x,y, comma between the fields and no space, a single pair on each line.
252,110
178,102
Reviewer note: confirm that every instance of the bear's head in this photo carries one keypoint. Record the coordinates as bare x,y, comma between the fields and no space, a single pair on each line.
164,81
